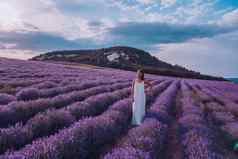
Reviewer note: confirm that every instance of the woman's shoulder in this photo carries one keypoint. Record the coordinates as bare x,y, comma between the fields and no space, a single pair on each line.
136,81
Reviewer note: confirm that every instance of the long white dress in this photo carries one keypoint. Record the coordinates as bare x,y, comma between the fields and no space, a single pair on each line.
138,107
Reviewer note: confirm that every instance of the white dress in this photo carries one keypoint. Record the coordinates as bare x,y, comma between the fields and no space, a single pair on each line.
138,107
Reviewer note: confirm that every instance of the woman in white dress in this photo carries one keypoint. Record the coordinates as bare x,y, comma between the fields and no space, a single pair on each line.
139,98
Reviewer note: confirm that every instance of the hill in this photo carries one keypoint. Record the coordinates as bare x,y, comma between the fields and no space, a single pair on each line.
125,58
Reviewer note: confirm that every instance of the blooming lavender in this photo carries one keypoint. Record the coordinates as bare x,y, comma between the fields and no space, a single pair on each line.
231,129
197,138
6,98
23,110
51,121
150,136
28,94
116,107
64,111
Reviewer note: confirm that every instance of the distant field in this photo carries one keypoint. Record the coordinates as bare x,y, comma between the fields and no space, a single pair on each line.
64,111
233,79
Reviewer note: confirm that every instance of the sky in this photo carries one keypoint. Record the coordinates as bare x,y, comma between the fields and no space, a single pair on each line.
201,35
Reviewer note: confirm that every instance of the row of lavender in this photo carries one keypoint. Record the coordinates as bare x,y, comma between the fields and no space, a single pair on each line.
19,78
148,140
220,115
223,107
25,109
223,113
104,127
78,119
197,135
16,75
48,122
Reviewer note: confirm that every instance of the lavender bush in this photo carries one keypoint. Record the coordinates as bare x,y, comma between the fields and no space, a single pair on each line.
149,138
22,110
6,98
60,111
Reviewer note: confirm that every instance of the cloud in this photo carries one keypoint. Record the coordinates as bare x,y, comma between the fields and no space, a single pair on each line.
145,2
154,33
167,3
41,41
18,54
230,18
214,55
4,46
24,45
46,17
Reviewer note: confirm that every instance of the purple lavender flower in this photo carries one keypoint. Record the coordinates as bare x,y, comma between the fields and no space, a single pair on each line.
6,98
128,153
28,94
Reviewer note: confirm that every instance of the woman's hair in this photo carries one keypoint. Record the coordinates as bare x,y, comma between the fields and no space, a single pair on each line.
142,77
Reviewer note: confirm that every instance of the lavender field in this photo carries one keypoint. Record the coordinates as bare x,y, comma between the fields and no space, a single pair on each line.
55,111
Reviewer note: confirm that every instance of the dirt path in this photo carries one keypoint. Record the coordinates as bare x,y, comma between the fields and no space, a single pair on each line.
173,148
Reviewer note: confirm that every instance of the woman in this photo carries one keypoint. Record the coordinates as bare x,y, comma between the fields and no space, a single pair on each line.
138,90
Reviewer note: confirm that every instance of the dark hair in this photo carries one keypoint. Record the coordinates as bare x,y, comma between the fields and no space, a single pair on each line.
143,74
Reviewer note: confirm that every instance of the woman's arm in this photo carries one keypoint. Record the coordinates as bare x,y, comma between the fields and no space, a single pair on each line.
148,84
132,90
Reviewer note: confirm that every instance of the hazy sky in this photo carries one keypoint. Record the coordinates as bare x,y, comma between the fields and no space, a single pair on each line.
199,34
